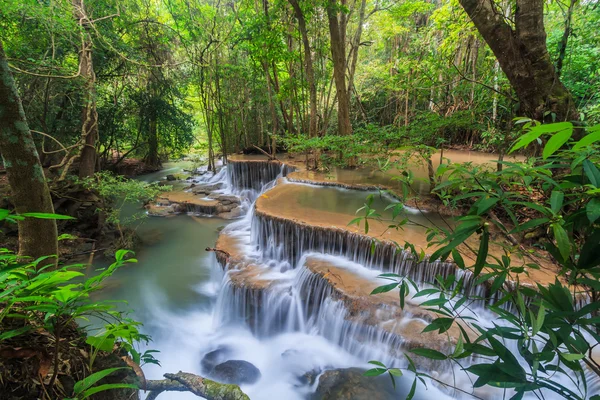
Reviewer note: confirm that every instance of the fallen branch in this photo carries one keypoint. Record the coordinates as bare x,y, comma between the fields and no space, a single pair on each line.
271,157
226,254
202,387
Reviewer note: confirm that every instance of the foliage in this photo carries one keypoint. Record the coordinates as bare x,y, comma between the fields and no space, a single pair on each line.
119,191
543,335
53,300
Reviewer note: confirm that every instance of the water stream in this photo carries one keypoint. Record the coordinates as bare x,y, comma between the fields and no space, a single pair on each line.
288,321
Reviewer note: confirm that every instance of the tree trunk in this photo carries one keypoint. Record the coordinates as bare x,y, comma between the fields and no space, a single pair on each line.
37,237
89,127
310,72
523,56
337,33
562,45
356,44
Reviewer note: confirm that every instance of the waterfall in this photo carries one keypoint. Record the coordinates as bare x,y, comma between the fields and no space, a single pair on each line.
286,240
254,175
282,295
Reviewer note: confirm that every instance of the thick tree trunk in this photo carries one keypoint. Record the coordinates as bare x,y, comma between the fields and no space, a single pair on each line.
89,127
37,237
523,56
310,72
337,33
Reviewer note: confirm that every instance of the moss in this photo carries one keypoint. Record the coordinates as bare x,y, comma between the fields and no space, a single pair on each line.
218,390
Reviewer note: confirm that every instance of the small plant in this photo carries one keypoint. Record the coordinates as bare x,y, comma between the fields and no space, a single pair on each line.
38,299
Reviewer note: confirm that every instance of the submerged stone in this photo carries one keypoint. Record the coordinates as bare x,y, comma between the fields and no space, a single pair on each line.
351,384
236,371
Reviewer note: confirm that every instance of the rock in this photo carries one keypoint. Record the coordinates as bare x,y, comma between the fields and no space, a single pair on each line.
234,213
351,384
171,177
235,371
214,358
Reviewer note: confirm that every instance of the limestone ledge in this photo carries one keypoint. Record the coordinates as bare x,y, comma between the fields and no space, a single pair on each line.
402,326
198,199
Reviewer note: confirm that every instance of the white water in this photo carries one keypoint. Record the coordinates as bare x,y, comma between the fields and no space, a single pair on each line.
295,327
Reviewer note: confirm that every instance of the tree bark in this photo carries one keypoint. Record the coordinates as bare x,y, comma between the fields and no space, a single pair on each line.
562,45
37,237
310,72
89,127
523,56
337,33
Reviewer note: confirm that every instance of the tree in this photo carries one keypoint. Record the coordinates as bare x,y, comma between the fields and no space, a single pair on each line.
523,56
89,126
337,32
37,237
310,72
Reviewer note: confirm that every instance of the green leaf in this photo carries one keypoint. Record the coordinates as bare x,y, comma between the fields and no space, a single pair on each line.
429,353
530,225
587,140
86,383
556,201
14,332
572,356
385,288
562,240
538,131
589,256
539,321
592,210
485,204
378,363
45,215
375,372
482,253
108,386
556,142
413,388
592,172
395,371
458,259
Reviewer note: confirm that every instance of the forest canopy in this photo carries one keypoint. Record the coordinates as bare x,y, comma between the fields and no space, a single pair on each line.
150,78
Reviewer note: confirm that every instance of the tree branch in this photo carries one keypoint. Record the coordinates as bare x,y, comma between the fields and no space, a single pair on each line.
202,387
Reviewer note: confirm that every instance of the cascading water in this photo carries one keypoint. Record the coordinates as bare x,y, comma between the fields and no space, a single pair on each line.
286,319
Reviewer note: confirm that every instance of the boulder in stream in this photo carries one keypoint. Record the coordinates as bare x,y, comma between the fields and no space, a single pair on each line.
235,371
214,358
351,384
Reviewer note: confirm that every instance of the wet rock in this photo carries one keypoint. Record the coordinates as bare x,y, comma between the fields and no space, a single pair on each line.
234,213
351,384
214,358
171,177
235,371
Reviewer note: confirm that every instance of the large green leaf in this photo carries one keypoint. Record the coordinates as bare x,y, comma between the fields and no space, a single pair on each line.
587,140
592,172
538,131
557,141
556,200
562,240
45,215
